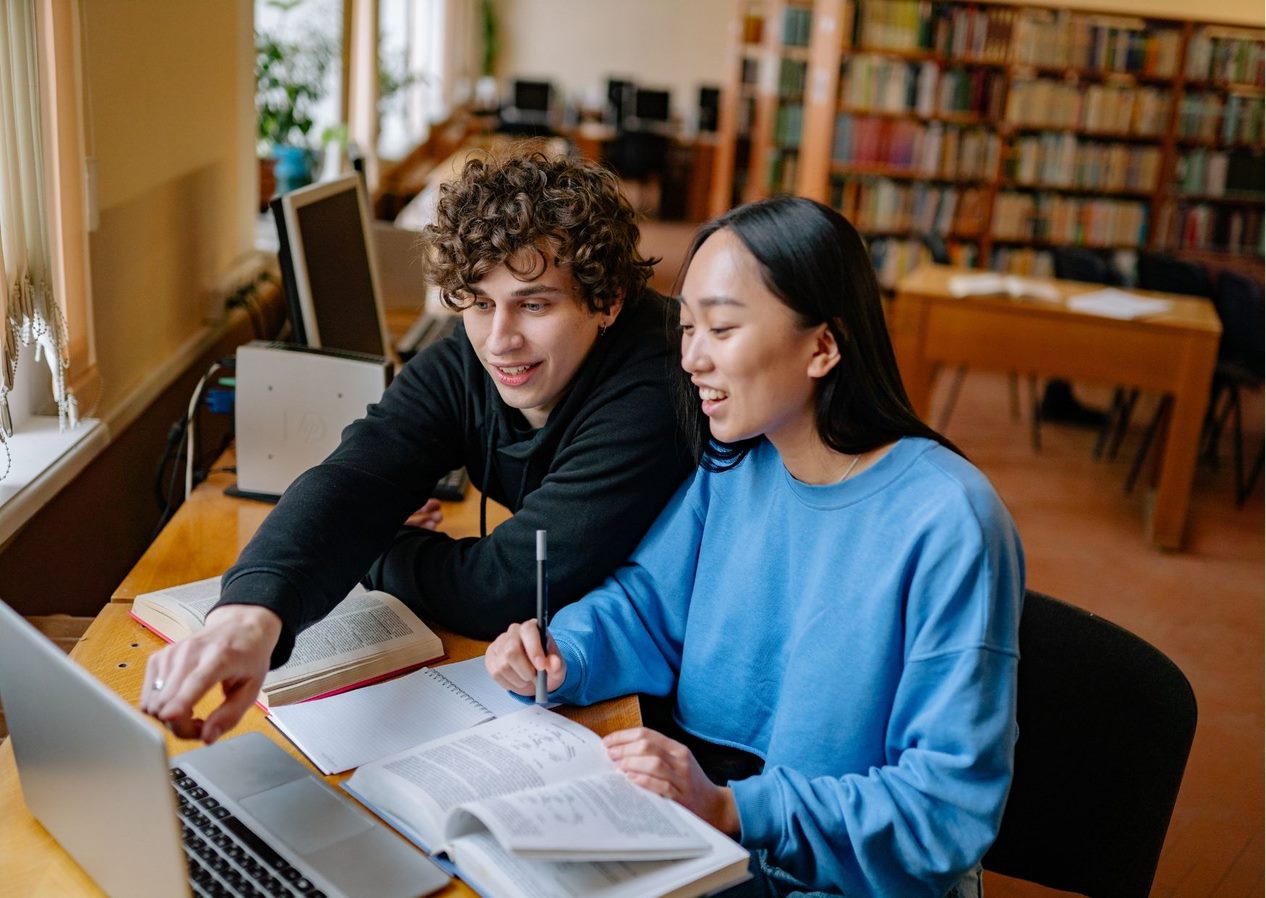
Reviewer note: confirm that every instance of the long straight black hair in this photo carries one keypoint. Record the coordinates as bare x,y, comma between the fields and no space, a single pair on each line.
815,262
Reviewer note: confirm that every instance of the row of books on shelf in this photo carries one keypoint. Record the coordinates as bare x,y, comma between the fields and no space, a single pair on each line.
1204,115
882,206
783,171
788,125
1219,173
746,115
791,73
1053,218
1215,55
1060,39
1221,228
753,27
890,85
980,33
1103,108
895,257
1023,260
797,25
883,84
932,150
1063,159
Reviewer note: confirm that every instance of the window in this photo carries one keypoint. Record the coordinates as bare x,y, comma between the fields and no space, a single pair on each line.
43,232
42,223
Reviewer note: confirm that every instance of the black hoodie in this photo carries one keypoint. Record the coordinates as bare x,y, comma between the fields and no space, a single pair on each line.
595,476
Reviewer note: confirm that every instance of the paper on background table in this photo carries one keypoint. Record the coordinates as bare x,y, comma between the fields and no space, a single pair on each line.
1113,303
353,728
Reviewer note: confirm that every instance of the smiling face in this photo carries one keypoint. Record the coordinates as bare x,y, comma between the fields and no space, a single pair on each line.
532,335
754,366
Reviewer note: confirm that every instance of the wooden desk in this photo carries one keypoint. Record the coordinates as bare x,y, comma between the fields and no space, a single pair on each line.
202,540
1172,353
209,531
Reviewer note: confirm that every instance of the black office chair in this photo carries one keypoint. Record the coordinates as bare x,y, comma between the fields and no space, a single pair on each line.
638,157
1241,365
1160,272
1073,263
1106,723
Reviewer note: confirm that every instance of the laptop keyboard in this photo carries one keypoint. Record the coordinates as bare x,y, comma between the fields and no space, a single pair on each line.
224,856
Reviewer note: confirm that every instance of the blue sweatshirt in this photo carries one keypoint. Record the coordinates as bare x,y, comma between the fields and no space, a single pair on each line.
860,637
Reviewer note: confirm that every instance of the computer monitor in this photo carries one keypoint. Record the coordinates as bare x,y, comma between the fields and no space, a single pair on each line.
533,96
651,106
328,267
709,108
619,99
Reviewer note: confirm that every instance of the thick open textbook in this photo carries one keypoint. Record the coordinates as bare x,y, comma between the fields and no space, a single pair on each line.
529,805
368,636
344,731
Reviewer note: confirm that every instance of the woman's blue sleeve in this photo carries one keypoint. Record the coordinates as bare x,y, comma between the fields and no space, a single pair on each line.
626,636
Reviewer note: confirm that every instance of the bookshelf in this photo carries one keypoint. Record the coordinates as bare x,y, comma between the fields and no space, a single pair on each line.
737,110
1009,130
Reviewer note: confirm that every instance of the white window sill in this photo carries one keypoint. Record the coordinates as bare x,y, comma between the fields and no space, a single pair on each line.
43,461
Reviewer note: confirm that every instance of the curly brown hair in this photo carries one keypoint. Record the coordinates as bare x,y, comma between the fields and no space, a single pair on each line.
501,205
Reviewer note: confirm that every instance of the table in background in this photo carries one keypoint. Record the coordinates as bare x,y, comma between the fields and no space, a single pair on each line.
202,539
1170,353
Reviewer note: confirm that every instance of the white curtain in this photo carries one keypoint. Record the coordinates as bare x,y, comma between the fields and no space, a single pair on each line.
29,312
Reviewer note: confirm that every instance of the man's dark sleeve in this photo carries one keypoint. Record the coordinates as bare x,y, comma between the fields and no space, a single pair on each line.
336,518
604,488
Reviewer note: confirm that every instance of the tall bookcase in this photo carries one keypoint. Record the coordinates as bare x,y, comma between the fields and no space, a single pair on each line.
1009,130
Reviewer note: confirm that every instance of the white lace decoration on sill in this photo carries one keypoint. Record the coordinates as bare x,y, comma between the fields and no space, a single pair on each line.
35,319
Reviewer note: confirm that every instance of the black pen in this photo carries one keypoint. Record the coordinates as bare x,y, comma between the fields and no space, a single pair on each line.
542,612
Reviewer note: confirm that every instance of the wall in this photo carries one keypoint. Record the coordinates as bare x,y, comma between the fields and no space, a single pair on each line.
168,100
578,44
680,44
169,90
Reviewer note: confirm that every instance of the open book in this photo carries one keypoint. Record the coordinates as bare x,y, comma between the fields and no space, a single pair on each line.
528,804
991,283
340,732
368,636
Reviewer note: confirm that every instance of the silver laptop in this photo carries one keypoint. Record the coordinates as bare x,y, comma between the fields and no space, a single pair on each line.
241,817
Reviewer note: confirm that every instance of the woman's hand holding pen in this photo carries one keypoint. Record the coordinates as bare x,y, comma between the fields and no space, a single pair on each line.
666,767
232,649
516,655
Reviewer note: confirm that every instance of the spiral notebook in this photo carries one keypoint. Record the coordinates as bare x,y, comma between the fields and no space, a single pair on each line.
344,731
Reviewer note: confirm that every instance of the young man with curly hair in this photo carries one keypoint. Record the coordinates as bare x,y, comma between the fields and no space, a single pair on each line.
555,396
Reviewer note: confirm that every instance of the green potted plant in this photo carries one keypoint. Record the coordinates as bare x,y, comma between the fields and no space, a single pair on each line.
289,82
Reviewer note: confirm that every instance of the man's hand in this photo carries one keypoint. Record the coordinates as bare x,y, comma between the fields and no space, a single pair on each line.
516,655
232,649
428,517
668,768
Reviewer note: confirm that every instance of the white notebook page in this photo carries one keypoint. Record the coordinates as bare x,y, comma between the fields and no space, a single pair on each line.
353,728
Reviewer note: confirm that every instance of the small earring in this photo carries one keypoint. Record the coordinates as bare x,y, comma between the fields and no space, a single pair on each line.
602,330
